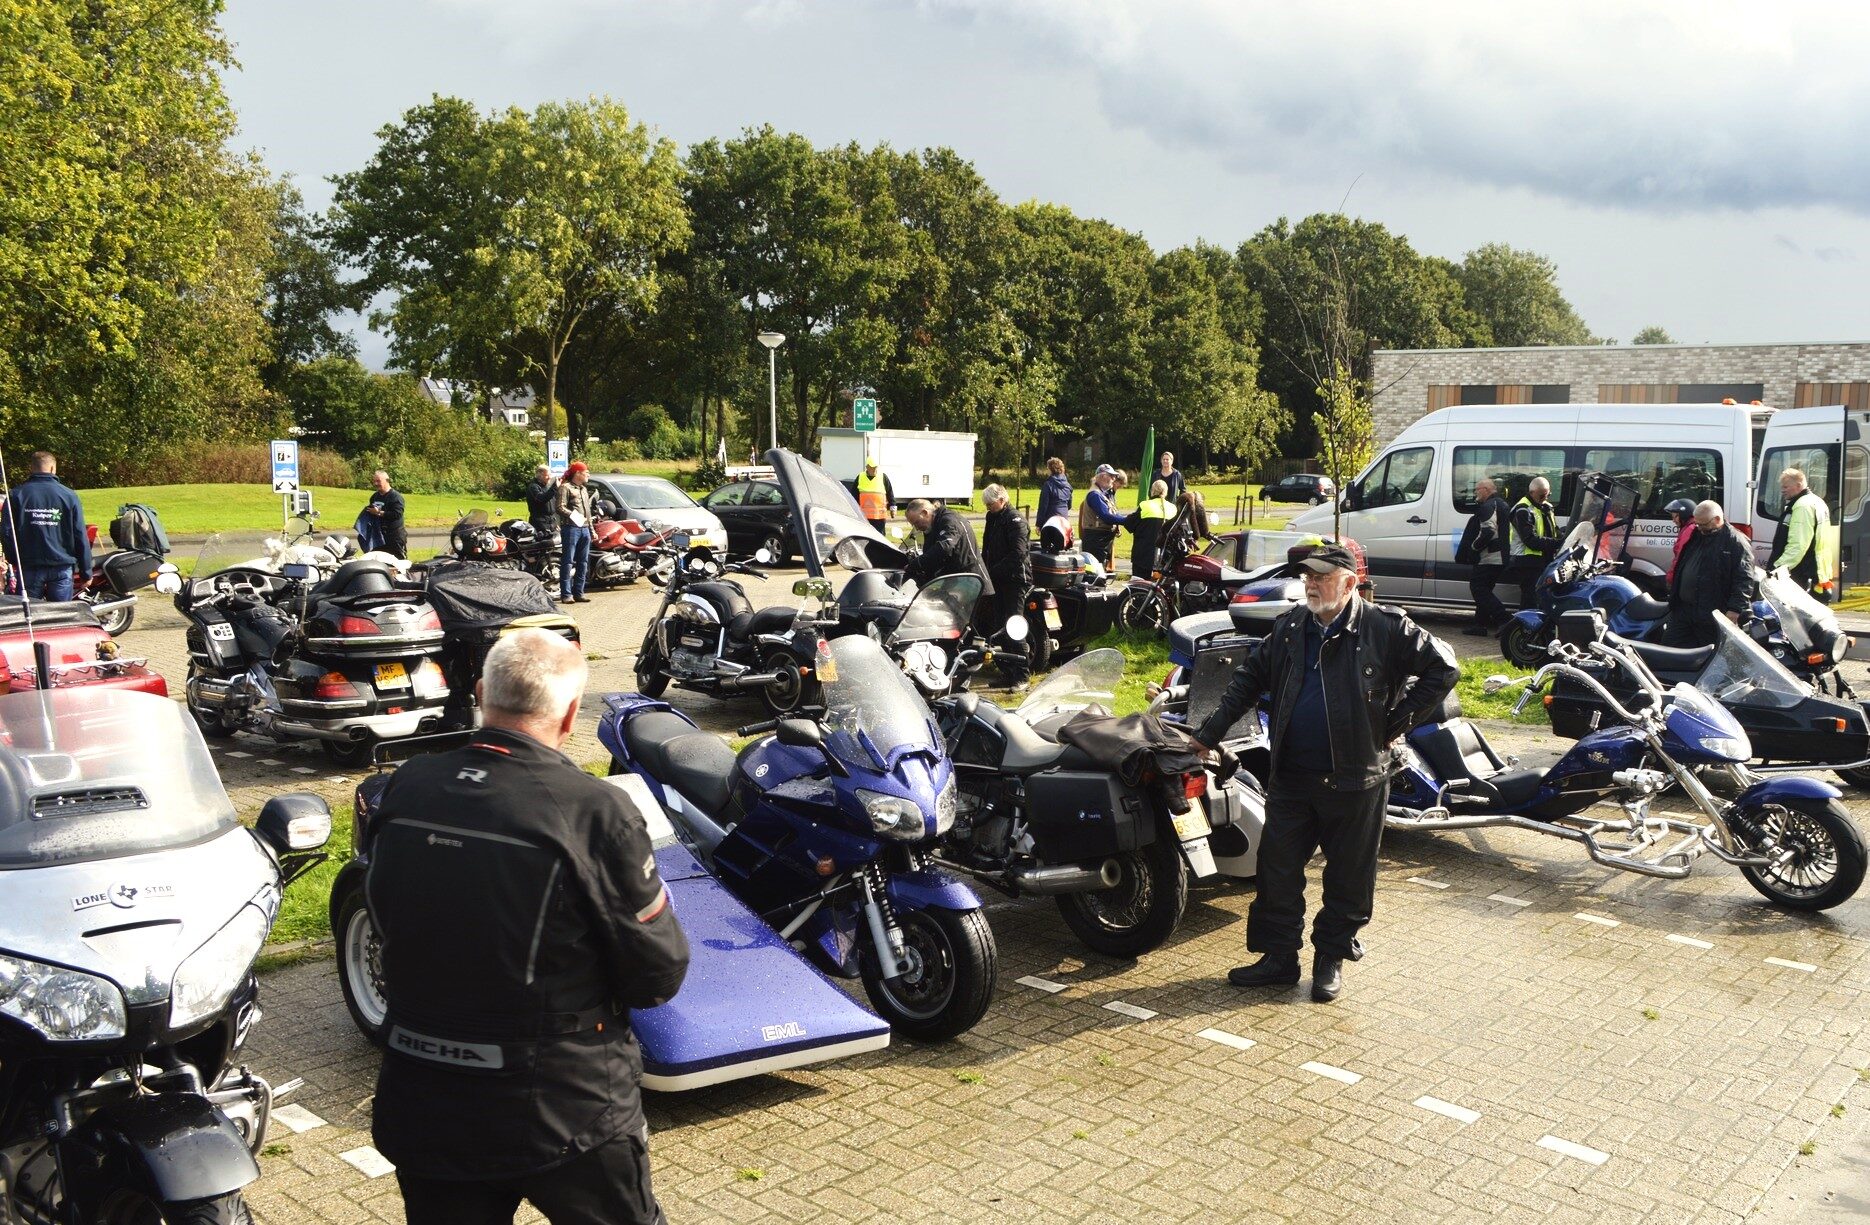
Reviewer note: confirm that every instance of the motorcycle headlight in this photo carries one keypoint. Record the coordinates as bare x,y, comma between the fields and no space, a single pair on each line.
945,806
892,816
1728,747
64,1005
208,978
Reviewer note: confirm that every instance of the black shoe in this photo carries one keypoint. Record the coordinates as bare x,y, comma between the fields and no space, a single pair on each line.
581,599
1271,970
1327,979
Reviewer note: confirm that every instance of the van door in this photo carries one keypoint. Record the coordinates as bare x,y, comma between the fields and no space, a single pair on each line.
1390,520
1819,442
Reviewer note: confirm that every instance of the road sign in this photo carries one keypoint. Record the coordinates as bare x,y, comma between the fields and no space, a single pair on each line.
863,414
558,455
285,466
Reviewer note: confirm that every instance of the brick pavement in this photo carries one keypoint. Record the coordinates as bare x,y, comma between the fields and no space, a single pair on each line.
1489,994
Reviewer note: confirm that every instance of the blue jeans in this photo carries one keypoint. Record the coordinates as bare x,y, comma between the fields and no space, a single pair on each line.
47,582
574,562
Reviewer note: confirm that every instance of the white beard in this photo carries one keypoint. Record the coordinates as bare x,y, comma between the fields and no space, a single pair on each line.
1322,607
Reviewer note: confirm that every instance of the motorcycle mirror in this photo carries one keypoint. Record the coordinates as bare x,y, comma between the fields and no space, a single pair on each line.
800,734
296,821
1016,629
168,579
1495,683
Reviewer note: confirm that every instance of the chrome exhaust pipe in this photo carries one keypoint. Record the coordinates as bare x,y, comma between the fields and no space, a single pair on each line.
749,680
1067,878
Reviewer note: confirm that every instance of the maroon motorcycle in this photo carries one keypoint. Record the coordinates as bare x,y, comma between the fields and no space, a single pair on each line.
1185,580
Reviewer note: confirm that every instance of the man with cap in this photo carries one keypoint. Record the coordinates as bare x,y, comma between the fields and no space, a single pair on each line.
875,496
1339,678
1098,519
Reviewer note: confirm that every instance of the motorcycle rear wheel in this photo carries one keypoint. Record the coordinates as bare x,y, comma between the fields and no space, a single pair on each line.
129,1208
352,753
1521,646
951,983
792,690
1827,867
117,620
1141,912
360,973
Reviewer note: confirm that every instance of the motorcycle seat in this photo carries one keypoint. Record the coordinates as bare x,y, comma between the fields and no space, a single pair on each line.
1645,608
1027,752
766,621
1672,659
1459,754
696,763
361,577
638,540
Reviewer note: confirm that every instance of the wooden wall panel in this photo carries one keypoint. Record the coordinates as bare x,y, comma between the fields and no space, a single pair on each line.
1856,396
1636,393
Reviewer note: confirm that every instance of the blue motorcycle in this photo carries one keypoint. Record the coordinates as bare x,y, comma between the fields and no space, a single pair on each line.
1788,835
826,828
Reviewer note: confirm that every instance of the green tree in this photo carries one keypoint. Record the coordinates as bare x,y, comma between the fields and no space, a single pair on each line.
1653,335
1346,429
1516,295
304,289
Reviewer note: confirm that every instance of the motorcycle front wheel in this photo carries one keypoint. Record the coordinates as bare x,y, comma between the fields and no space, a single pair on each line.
651,680
360,969
130,1208
1145,611
213,723
1521,646
1141,911
1826,865
952,966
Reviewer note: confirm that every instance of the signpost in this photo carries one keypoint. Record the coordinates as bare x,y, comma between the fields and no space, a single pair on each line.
558,456
863,414
285,466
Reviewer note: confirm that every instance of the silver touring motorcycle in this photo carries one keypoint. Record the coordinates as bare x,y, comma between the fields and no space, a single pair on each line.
132,905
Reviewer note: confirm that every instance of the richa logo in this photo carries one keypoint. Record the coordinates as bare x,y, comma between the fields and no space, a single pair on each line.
777,1033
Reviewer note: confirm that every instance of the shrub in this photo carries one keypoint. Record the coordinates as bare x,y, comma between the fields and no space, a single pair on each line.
232,463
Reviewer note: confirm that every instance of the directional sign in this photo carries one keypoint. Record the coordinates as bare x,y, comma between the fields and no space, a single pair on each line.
285,466
558,455
863,414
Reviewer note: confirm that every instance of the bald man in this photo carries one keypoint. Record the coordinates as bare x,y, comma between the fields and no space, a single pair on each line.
1714,578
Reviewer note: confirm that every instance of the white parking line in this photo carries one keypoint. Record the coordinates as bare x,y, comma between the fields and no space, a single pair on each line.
337,778
1226,1039
368,1161
1510,901
267,761
1460,1114
1598,919
1690,941
296,1118
1567,1148
1041,984
303,770
1331,1073
1802,966
236,753
1432,884
1129,1010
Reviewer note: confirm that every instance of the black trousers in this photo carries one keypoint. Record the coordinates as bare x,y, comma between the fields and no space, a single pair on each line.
1525,570
607,1186
1689,627
1303,816
1007,601
396,542
1488,611
1099,545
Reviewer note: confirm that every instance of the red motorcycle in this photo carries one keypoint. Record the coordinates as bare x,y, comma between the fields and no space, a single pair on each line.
622,549
1184,580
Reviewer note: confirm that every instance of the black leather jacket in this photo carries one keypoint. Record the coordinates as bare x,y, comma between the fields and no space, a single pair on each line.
948,548
1382,673
1006,551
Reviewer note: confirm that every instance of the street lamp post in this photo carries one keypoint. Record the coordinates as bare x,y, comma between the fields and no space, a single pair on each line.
772,341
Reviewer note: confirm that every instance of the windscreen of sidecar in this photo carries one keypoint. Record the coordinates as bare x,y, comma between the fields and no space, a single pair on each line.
1743,674
1800,616
940,610
94,773
873,715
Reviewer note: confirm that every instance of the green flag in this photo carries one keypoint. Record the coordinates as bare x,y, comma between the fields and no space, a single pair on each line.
1143,474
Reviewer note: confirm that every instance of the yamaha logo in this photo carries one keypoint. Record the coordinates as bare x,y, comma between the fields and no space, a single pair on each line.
438,840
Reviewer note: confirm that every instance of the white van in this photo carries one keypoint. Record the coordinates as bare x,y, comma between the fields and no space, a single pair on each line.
1407,508
1811,440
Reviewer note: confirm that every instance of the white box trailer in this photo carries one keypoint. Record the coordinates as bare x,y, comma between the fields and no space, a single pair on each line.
919,463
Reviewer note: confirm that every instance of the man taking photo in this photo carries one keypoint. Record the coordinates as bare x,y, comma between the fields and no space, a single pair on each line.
1341,678
521,914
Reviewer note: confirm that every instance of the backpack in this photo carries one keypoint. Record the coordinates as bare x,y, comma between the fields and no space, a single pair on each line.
139,527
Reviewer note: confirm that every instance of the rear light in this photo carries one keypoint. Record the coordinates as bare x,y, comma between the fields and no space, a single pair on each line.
350,626
1547,699
1247,597
1745,529
334,686
1194,786
430,620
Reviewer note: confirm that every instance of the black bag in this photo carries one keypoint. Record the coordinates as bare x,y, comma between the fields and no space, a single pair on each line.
139,527
478,599
1476,541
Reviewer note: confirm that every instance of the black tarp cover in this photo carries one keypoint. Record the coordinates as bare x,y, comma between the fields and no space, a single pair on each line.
470,598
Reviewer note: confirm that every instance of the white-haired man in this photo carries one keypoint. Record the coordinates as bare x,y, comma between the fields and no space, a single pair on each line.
520,913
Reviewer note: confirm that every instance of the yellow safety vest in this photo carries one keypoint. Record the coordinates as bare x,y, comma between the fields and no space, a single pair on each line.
873,496
1516,547
1154,508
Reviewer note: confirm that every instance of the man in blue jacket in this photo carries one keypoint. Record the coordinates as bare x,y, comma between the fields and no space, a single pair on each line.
1098,519
44,532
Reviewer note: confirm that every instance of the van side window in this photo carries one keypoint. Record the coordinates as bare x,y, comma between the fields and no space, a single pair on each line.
1399,478
1818,464
1512,470
1662,475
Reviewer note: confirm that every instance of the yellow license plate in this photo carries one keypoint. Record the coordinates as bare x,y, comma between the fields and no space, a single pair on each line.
1052,620
1192,824
392,676
701,542
827,669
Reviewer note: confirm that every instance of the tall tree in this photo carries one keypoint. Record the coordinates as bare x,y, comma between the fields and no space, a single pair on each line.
1653,335
1516,294
304,289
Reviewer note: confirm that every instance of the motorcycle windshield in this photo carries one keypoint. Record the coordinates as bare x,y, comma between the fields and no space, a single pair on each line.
831,527
873,715
1090,679
1743,674
249,550
94,773
940,610
1803,619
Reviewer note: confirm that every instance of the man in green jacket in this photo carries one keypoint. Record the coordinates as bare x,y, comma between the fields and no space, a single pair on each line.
1800,544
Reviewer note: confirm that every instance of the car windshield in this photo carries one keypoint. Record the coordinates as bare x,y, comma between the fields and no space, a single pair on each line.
90,773
1091,679
940,609
1743,674
873,715
649,493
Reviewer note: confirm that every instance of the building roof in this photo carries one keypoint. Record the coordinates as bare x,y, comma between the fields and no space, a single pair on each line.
1734,344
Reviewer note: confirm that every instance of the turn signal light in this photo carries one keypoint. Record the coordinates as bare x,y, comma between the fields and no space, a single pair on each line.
1815,658
349,625
1547,699
826,865
1835,725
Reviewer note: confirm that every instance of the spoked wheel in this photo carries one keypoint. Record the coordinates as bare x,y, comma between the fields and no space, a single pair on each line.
651,679
952,964
360,964
1145,611
1522,646
132,1208
1818,854
1141,912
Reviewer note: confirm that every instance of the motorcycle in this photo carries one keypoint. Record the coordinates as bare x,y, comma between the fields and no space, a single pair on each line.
1789,836
621,548
826,829
1034,816
478,536
131,926
927,629
706,636
110,589
347,660
1184,580
1071,599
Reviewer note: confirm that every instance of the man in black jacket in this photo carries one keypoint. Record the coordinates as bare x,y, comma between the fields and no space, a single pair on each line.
1483,547
386,507
520,913
542,503
1007,552
1713,578
947,545
1342,678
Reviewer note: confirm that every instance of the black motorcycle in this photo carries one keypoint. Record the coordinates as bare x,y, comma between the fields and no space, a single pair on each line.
1072,600
131,924
479,536
707,636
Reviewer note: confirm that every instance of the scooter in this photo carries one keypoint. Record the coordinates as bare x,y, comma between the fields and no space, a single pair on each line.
826,828
131,924
1789,836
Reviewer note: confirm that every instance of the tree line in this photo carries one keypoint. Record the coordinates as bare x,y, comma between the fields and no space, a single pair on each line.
159,291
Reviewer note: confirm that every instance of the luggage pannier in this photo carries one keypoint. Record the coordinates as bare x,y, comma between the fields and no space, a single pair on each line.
1079,815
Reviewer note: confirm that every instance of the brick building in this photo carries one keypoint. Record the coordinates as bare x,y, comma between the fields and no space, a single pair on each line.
1411,382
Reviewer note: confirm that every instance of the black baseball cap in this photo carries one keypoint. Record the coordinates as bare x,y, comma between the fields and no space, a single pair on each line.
1326,556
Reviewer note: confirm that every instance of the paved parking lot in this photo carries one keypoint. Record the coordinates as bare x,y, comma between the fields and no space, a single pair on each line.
1531,1038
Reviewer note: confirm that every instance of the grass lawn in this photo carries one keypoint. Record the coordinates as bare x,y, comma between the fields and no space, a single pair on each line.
199,509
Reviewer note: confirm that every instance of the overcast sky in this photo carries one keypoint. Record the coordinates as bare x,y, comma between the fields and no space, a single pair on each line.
1704,166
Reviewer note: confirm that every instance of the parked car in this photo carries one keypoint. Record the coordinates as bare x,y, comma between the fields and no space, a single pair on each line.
755,516
1307,487
650,500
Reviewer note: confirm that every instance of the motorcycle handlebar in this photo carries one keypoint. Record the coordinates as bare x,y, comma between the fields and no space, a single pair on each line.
1579,674
754,729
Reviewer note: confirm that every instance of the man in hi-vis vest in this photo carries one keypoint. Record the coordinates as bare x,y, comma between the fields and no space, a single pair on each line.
874,495
1532,540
